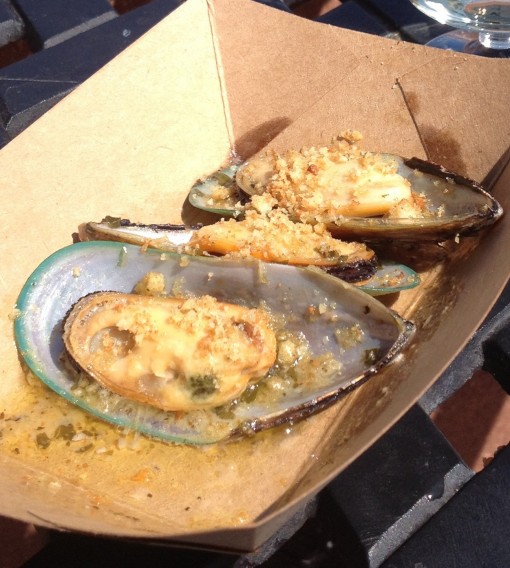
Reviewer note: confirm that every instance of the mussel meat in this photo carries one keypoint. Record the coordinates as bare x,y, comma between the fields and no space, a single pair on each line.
304,339
270,238
322,184
174,353
275,238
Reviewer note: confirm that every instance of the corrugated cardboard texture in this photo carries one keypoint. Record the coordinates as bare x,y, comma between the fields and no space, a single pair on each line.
130,142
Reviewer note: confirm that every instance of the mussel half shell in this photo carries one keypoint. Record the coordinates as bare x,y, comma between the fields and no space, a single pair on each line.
375,278
219,193
459,206
328,314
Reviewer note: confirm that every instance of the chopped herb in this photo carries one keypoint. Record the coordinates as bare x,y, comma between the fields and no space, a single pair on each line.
202,386
250,393
122,257
371,356
42,440
84,449
113,222
65,431
225,412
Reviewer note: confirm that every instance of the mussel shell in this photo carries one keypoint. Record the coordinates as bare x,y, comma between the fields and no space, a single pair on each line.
467,207
358,271
390,278
80,269
201,194
167,235
374,278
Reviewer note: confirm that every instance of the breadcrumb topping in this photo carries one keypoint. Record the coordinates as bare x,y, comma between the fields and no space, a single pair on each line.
175,353
323,184
273,237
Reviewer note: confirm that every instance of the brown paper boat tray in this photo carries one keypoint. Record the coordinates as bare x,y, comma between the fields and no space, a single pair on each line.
130,142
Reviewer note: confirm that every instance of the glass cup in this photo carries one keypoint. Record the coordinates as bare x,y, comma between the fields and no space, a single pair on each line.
483,26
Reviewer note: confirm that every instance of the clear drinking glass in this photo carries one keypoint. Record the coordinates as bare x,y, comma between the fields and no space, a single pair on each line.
483,26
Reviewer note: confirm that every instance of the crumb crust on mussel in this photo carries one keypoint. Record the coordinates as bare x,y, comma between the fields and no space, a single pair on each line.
270,236
362,195
176,353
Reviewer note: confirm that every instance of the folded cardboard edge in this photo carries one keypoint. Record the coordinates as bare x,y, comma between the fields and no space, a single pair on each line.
74,165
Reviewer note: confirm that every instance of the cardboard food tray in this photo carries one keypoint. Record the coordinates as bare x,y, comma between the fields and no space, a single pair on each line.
130,142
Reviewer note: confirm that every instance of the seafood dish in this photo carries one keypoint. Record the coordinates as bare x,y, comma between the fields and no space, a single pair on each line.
201,334
197,350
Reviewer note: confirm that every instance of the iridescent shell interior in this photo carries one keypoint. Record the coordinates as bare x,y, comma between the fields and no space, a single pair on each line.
322,310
